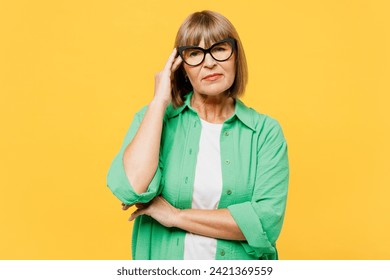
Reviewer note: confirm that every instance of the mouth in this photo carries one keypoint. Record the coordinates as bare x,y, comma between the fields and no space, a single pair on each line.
212,77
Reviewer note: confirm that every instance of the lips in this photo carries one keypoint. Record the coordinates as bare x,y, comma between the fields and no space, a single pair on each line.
212,77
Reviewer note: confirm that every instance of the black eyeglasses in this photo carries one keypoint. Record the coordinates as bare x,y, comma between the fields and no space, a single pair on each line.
220,51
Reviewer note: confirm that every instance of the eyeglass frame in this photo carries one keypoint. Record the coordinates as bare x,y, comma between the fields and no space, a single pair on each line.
206,51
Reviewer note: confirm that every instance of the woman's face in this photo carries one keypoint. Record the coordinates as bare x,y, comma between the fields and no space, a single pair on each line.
211,77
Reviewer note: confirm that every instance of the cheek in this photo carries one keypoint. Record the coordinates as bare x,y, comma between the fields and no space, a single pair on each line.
188,69
232,73
192,74
231,70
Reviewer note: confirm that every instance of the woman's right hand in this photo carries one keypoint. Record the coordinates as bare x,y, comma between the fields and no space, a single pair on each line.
163,79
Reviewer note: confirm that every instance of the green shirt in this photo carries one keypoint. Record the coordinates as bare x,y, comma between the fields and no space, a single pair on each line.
254,174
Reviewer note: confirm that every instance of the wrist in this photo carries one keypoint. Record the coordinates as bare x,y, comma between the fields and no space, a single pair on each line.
159,102
178,216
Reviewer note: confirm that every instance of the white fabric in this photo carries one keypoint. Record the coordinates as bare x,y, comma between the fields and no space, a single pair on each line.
207,189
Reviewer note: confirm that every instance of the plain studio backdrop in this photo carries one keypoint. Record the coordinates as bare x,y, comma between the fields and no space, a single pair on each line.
73,74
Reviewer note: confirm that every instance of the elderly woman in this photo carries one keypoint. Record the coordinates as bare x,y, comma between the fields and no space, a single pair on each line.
207,174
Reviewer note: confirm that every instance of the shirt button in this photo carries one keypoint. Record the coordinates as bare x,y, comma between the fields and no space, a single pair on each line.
227,133
227,161
186,180
190,151
229,192
222,253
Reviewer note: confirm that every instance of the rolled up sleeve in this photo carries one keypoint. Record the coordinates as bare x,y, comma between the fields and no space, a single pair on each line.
261,218
117,180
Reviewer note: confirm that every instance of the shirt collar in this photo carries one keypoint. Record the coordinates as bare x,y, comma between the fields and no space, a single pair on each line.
173,112
245,114
241,111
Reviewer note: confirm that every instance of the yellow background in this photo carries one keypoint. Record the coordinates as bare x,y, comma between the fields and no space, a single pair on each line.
73,73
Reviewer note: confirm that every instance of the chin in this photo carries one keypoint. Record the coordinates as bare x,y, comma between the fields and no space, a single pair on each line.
213,91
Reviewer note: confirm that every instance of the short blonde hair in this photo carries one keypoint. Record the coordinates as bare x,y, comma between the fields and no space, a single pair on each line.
211,27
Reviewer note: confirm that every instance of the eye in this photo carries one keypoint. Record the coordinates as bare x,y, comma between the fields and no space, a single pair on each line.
219,49
223,47
194,53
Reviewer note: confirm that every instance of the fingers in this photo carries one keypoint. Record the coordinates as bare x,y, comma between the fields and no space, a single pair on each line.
141,208
142,205
173,62
136,213
163,79
147,208
176,63
171,58
138,205
126,206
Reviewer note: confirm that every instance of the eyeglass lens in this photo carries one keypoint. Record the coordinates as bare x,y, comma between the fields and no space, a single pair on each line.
220,52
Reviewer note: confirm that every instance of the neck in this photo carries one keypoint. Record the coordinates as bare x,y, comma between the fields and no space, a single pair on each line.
213,109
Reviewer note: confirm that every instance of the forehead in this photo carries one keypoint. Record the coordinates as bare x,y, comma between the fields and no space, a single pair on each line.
203,36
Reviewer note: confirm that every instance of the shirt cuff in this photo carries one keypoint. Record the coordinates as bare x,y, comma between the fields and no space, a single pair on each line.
257,242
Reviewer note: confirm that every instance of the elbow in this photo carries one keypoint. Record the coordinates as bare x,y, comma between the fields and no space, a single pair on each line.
139,173
128,187
139,179
272,229
139,184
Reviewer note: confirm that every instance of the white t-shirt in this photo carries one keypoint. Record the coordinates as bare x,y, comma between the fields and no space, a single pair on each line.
207,189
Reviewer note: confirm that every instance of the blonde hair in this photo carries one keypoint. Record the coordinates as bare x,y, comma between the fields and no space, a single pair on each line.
211,27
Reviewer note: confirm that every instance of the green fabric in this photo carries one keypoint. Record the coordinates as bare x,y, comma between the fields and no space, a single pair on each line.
255,179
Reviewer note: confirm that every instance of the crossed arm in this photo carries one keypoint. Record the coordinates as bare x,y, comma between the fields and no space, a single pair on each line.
217,223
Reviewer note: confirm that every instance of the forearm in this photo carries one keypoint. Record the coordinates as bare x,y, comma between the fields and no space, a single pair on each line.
141,156
212,223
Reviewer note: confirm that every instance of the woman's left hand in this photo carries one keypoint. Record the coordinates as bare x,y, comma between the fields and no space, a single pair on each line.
159,209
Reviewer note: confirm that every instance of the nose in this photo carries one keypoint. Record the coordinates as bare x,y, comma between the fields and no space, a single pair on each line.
209,61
